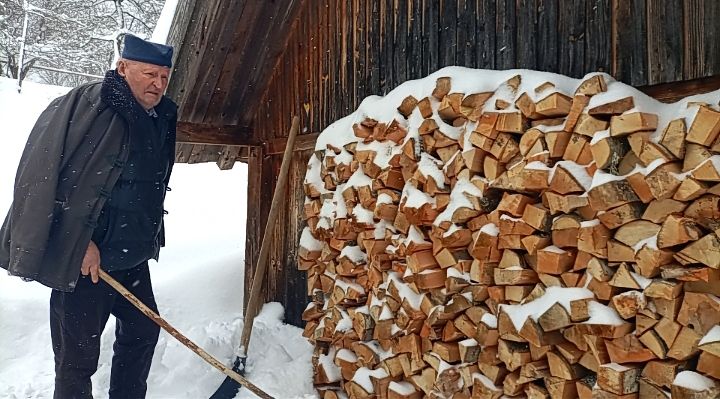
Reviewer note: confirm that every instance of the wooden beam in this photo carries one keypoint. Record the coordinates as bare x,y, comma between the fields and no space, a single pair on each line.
302,142
674,91
200,133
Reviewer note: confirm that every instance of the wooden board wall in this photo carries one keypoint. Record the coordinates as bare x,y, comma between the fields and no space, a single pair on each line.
284,283
341,51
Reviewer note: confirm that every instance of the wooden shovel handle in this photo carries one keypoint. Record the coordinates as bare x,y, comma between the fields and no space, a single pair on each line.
180,337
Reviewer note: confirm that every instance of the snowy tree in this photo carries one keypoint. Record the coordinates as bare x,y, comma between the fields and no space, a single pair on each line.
72,35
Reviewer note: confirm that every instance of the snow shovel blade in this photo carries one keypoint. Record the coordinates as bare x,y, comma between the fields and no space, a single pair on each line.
229,387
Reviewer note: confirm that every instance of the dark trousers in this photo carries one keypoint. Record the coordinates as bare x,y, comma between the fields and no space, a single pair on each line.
77,320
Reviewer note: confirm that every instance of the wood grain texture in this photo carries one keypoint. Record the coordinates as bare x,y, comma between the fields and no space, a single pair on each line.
505,26
546,38
629,42
571,35
527,55
701,53
665,45
598,36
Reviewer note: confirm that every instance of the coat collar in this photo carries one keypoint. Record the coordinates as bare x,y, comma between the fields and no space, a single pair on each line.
117,95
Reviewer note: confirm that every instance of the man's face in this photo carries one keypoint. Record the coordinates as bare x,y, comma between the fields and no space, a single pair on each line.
147,81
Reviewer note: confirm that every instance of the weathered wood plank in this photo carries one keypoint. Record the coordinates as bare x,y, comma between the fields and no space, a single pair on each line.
701,53
387,66
505,47
711,29
295,286
547,35
665,41
598,36
182,24
348,58
260,186
431,27
401,54
207,77
303,142
571,34
236,67
674,91
448,45
466,49
374,50
526,28
415,57
360,49
629,42
199,133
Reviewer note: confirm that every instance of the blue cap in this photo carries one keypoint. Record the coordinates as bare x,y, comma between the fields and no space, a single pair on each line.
137,49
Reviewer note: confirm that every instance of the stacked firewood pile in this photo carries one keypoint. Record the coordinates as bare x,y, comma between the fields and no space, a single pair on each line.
529,241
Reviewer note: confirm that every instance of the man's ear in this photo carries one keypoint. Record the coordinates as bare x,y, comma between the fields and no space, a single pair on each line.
122,67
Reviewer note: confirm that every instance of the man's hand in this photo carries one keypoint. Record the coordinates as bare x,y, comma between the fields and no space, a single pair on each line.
91,262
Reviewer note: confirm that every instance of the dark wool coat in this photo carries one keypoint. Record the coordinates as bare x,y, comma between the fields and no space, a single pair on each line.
73,158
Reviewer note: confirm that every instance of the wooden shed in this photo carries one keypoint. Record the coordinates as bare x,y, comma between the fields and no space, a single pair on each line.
245,67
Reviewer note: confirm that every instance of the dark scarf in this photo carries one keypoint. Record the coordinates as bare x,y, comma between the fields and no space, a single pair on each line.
116,94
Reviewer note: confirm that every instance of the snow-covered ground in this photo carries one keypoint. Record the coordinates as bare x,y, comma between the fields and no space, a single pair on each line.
198,286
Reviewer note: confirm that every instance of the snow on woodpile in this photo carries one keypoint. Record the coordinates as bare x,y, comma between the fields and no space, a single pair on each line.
515,232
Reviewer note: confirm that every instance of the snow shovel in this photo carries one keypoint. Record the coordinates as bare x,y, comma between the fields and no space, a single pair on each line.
229,388
180,337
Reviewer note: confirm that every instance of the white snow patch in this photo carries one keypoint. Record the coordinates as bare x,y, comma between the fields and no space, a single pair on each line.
309,242
712,336
602,314
415,198
519,313
490,229
331,370
354,253
362,377
402,388
694,381
431,167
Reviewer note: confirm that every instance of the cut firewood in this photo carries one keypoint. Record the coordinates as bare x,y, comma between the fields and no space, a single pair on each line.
554,105
658,210
685,344
652,341
705,127
705,251
632,233
561,388
677,230
651,391
709,365
629,303
441,247
442,87
699,311
621,215
561,368
588,125
618,379
555,318
608,152
616,107
628,349
621,125
592,85
689,384
611,194
662,372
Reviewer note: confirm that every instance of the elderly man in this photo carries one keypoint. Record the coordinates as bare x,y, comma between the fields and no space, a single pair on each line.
89,193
